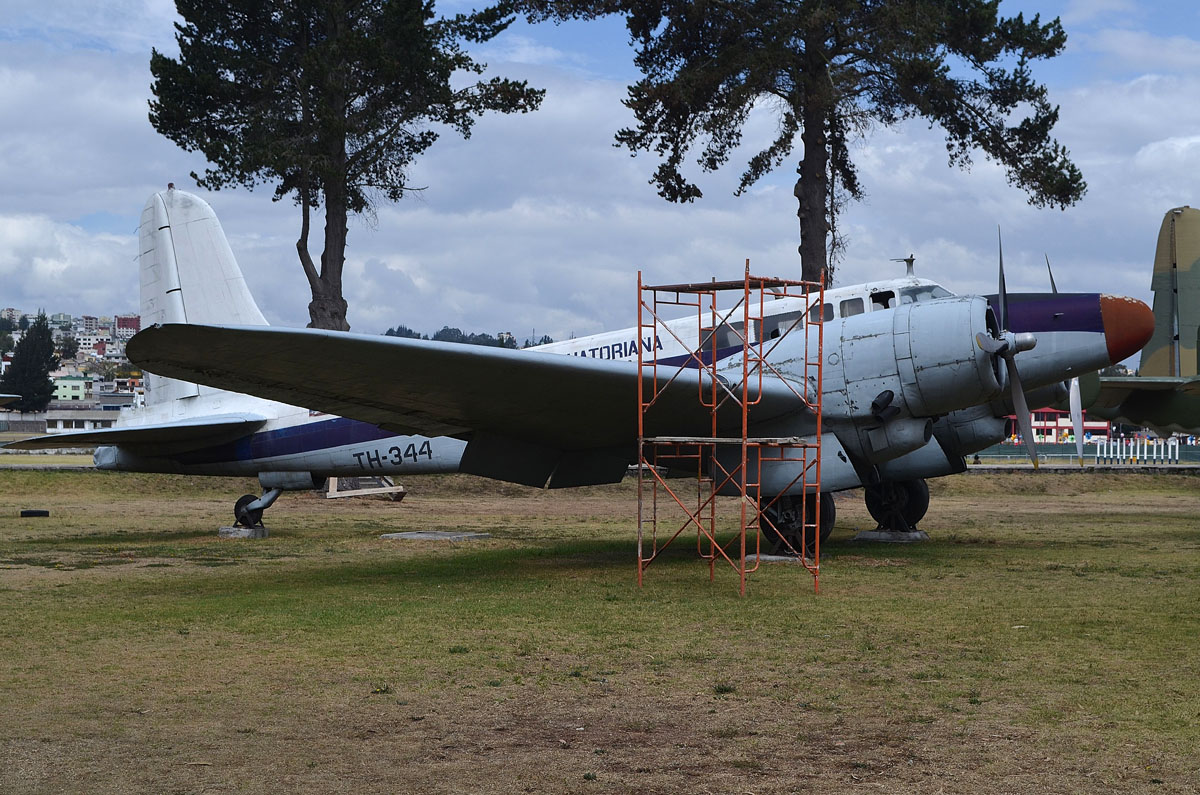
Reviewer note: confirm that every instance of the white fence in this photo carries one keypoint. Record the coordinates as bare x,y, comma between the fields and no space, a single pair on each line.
1138,451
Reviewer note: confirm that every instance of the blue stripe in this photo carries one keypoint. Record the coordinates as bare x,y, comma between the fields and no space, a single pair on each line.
304,438
1052,311
689,360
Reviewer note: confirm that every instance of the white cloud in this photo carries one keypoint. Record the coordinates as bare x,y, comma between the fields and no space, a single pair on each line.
60,268
1145,50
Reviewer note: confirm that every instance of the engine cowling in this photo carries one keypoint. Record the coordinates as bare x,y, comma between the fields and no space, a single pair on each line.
892,371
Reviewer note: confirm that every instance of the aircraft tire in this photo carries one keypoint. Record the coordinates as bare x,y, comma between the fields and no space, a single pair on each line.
784,514
898,505
244,517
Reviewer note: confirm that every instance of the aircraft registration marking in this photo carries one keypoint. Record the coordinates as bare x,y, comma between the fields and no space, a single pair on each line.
393,456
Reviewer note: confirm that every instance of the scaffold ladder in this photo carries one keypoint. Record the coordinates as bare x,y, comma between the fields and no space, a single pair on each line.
727,464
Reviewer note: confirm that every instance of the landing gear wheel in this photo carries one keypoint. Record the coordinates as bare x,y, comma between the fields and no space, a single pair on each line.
244,517
898,505
786,538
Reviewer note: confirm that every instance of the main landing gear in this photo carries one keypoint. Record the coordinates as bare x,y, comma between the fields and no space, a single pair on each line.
248,510
783,528
897,505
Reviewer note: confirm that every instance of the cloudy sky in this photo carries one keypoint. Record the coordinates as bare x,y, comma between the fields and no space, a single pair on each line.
538,223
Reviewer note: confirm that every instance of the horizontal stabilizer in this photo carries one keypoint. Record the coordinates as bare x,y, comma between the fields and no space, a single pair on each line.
6,399
1116,389
442,389
169,437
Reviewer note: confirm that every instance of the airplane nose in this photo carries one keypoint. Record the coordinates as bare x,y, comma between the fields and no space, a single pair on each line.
1128,324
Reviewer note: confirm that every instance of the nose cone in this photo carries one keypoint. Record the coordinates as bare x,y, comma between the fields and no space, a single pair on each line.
1128,324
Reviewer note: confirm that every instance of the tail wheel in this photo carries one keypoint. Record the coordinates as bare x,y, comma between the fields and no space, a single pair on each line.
245,517
898,505
787,532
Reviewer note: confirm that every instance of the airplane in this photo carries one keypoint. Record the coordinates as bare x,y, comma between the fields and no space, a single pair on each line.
542,418
1165,393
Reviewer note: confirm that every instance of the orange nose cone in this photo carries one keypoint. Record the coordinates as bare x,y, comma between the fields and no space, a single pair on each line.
1128,324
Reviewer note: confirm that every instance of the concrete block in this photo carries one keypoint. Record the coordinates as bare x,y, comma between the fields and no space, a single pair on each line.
243,532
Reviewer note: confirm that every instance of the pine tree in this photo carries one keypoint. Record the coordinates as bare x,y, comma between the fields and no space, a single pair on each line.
830,70
29,373
330,100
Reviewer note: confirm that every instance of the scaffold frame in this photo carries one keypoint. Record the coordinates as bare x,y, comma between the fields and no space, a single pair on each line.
728,461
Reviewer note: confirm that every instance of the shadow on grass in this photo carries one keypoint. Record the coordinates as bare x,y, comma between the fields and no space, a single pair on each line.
83,540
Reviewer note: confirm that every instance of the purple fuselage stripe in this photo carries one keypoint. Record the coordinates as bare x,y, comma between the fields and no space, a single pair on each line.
1052,312
305,438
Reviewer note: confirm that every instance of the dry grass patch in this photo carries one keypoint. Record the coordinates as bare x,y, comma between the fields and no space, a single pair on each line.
1044,641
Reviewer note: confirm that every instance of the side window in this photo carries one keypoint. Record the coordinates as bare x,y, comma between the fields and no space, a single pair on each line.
726,336
882,300
826,313
851,307
777,325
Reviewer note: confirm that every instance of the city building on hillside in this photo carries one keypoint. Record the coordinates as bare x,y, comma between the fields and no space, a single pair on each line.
10,314
62,320
78,419
72,388
125,326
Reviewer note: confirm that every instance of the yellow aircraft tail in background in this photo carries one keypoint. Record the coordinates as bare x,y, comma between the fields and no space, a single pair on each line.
1173,349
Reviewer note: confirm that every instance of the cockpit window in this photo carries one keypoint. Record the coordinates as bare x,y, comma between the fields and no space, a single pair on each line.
924,292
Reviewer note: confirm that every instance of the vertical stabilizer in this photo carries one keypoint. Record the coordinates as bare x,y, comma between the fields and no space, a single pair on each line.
1173,349
188,275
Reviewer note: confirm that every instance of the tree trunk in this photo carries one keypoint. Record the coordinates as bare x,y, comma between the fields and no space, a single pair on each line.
327,308
812,188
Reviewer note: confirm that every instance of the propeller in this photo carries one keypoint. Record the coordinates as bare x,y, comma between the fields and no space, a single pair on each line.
1007,345
1076,402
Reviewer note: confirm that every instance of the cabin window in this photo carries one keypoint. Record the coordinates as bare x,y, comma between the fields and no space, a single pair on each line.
850,307
777,325
824,312
726,336
883,300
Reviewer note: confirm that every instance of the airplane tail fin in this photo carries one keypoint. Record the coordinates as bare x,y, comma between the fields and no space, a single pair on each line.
1174,348
188,275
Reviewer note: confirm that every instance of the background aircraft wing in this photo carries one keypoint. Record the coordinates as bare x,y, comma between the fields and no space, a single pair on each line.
168,437
1115,390
521,410
6,399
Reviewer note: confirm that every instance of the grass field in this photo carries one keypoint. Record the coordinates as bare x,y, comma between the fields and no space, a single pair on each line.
1046,640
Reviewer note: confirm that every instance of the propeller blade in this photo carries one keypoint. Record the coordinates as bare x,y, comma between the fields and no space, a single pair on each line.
1002,298
990,344
1021,409
1076,403
1053,287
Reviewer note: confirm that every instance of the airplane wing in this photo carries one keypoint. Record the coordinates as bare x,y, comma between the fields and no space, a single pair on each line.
172,437
6,399
531,417
1115,390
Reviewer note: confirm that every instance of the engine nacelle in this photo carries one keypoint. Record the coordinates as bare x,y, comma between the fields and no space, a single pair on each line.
962,433
893,439
290,481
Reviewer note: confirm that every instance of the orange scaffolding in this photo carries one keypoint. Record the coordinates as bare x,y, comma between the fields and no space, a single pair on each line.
727,343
